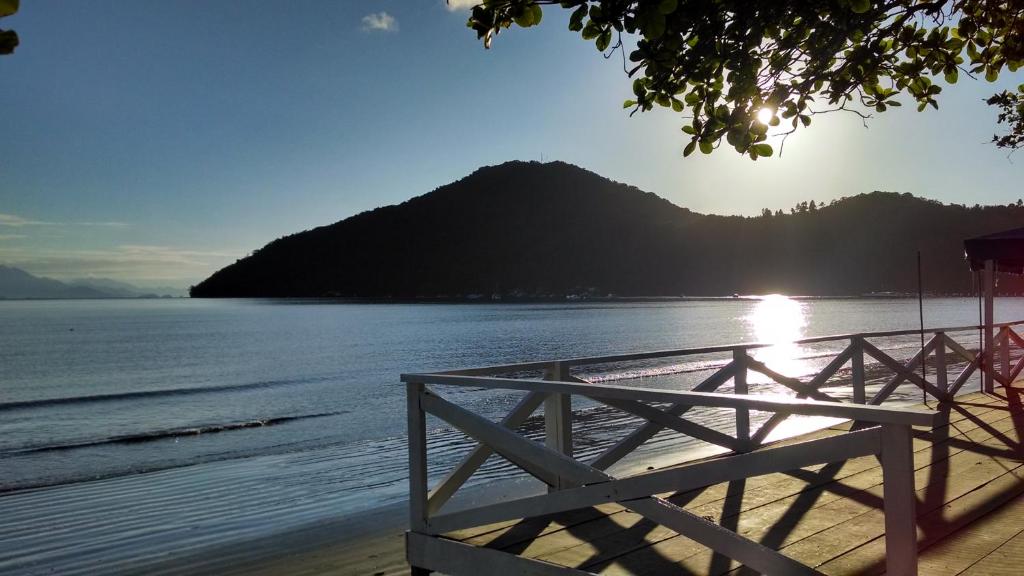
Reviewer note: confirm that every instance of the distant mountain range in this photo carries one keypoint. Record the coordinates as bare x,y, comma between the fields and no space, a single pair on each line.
528,229
18,284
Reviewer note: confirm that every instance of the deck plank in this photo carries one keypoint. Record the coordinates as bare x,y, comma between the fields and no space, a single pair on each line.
636,532
789,520
825,516
753,486
969,483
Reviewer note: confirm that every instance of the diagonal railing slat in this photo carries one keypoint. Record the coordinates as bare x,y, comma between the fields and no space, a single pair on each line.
692,429
543,462
679,479
538,460
815,383
795,384
964,375
903,371
635,439
458,476
960,350
1015,337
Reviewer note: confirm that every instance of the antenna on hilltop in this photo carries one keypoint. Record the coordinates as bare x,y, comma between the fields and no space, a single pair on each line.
541,157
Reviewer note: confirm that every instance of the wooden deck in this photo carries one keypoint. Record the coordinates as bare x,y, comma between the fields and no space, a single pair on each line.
970,510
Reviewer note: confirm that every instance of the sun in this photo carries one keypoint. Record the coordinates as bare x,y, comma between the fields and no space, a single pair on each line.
765,115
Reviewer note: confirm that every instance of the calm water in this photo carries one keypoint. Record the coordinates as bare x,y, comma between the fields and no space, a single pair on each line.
297,405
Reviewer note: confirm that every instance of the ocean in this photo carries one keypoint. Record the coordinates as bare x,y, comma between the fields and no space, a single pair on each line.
131,429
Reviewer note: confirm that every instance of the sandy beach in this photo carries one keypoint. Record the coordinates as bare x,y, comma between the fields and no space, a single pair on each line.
322,549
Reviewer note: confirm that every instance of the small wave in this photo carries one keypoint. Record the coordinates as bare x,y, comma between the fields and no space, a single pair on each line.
710,365
139,394
172,433
683,368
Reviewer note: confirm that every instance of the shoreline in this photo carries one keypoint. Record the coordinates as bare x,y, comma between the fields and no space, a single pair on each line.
553,299
227,518
372,542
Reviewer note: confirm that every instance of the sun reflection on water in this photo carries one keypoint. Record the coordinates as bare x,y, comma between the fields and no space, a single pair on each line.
780,321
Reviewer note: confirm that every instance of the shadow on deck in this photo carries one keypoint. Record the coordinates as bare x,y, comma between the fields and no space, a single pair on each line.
970,513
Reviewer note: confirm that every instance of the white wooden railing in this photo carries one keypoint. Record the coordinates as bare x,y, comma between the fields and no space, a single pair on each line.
573,484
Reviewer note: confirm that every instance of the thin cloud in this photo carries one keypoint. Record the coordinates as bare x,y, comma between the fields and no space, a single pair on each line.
102,224
16,221
129,262
12,236
455,5
380,22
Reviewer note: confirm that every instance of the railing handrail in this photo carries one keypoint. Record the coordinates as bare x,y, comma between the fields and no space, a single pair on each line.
767,403
581,484
654,354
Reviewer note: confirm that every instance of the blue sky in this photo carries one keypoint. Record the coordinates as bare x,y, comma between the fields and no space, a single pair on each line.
157,141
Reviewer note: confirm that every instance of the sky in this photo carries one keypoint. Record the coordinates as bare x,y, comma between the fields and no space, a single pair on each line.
155,142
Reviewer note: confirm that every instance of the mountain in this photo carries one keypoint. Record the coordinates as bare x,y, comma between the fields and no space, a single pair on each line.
119,289
18,284
527,228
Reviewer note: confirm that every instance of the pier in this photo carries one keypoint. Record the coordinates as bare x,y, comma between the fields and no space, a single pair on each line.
886,488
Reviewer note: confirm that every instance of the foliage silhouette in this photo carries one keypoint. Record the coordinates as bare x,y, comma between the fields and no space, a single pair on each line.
8,38
732,64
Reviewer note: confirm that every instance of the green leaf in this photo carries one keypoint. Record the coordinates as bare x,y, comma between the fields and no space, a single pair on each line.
952,76
654,26
8,41
763,150
576,20
604,40
8,7
991,74
629,103
689,129
538,13
668,6
689,148
706,146
677,105
860,6
524,18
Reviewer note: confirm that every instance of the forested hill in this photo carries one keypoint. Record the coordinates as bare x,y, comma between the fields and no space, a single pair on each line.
527,229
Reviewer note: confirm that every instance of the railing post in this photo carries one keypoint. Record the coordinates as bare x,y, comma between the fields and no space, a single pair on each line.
899,500
941,378
1004,353
417,421
739,356
857,370
987,362
558,418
